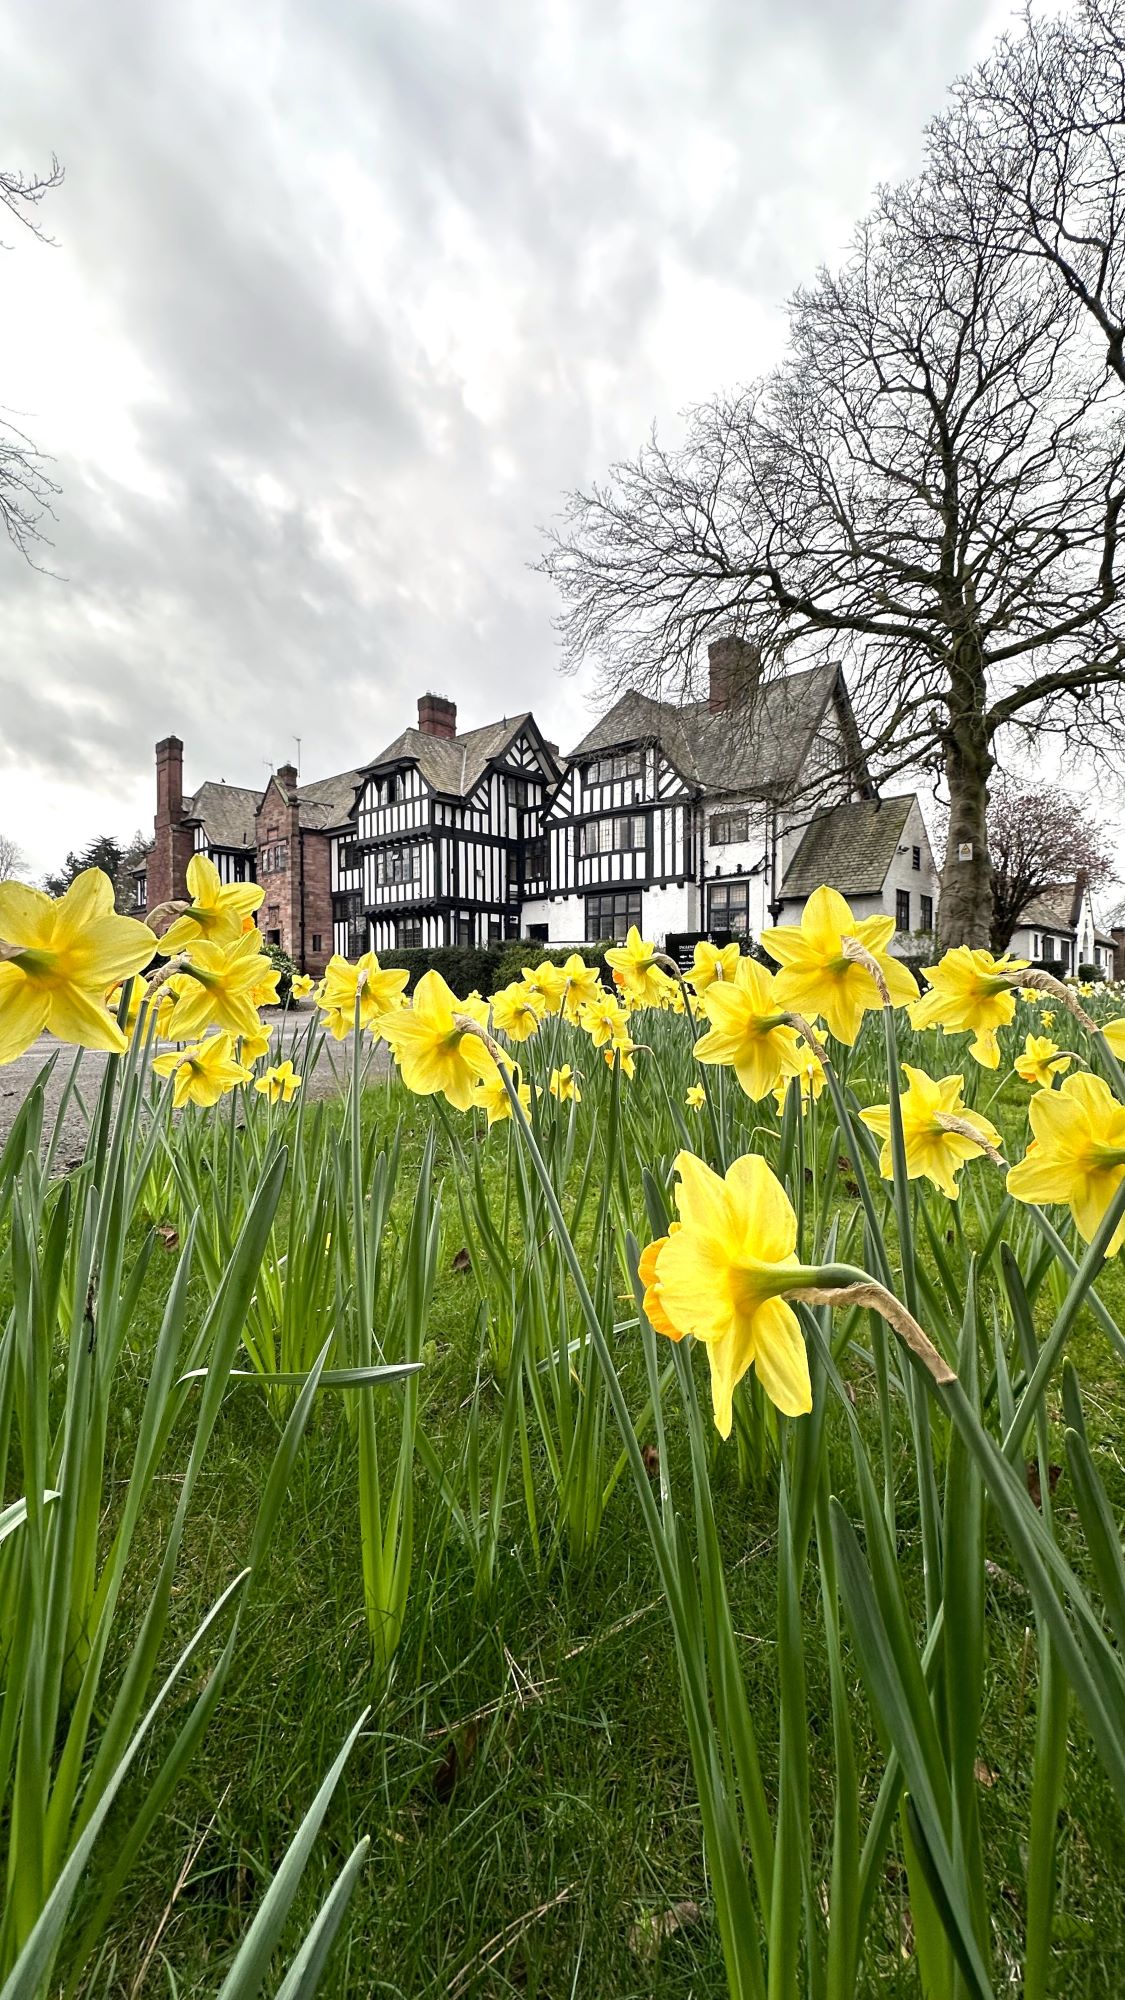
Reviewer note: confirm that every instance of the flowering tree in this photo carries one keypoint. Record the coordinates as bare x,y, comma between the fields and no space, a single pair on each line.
928,488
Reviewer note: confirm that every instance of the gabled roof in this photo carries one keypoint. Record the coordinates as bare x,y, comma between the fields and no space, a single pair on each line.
851,846
451,764
226,812
1053,909
759,744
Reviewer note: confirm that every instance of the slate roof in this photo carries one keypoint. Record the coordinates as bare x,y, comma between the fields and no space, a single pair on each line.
227,813
851,846
451,764
759,745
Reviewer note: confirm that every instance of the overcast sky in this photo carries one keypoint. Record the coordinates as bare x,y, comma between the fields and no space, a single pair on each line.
345,294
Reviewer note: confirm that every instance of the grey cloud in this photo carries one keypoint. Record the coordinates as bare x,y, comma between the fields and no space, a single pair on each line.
395,274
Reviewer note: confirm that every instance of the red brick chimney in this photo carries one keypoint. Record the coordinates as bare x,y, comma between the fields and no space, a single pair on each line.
734,669
172,843
436,716
286,775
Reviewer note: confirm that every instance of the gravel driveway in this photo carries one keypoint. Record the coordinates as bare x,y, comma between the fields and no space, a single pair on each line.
16,1078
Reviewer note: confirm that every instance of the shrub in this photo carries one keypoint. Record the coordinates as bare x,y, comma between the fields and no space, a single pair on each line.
283,965
464,968
519,952
1088,971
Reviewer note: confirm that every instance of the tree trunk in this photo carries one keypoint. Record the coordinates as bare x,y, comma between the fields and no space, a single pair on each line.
965,909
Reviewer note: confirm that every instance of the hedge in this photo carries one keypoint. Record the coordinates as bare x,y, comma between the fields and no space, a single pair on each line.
484,968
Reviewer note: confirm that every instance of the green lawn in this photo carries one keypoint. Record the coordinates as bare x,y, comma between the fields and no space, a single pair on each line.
525,1779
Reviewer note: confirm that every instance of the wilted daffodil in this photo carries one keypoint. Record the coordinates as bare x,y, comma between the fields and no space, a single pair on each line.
279,1084
1077,1154
970,990
636,971
58,959
204,1073
1040,1062
379,993
517,1010
711,962
816,977
719,1277
220,994
748,1029
564,1085
933,1153
218,909
434,1052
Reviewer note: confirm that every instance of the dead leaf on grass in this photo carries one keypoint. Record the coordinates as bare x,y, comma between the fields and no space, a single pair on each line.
650,1930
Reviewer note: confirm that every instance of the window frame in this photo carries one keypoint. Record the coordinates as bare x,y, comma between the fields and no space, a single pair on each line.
719,891
902,910
615,844
596,933
927,903
397,850
729,821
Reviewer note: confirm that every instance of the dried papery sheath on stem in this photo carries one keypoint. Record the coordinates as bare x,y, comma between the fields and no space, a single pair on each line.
878,1299
859,955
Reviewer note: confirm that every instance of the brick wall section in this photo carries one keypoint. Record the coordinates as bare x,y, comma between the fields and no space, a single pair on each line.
277,825
317,867
172,843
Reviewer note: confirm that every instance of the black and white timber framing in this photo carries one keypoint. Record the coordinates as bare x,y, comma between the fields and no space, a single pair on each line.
445,842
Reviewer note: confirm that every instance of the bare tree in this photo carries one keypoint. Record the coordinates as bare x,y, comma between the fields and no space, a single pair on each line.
929,488
1040,836
13,860
26,486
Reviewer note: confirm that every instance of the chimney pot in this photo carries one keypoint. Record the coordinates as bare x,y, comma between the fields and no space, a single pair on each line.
287,776
437,716
734,669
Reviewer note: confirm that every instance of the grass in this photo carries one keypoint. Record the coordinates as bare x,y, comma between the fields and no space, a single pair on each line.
525,1778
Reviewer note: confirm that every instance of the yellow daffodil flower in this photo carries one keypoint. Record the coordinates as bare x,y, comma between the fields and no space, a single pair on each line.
748,1030
490,1094
640,976
252,1048
1114,1032
1077,1154
647,1273
622,1052
549,982
605,1020
218,910
204,1073
435,1054
817,980
380,993
719,1277
1047,1017
932,1153
711,962
970,990
64,955
279,1084
476,1007
518,1010
811,1072
302,985
564,1085
695,1097
223,981
583,987
1040,1062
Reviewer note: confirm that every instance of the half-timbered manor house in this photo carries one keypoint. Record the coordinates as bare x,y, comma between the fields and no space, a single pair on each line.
706,817
715,817
444,843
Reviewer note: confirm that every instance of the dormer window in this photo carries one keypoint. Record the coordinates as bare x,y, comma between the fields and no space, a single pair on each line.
625,764
389,790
